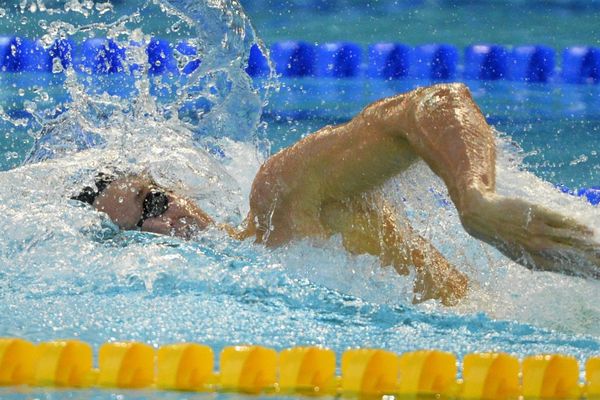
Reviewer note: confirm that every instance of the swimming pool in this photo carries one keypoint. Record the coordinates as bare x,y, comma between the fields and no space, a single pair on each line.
66,271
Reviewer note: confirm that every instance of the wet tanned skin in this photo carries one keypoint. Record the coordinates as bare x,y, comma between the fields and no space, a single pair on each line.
123,201
326,184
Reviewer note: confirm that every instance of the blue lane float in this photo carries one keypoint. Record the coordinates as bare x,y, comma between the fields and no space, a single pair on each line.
435,61
99,56
18,54
258,65
535,63
160,57
581,64
293,58
486,62
531,64
389,61
32,57
189,51
591,194
338,60
62,50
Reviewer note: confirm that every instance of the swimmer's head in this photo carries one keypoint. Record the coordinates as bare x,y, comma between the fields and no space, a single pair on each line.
128,201
136,201
123,200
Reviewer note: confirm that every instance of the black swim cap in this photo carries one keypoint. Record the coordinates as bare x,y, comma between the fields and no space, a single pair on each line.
88,194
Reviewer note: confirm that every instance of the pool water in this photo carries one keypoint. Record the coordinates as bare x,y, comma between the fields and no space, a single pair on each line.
67,272
555,23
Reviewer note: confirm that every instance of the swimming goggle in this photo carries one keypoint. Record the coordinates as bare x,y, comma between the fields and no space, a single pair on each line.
156,203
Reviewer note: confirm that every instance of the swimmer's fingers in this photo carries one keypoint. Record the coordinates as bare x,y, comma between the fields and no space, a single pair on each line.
553,219
576,238
572,249
554,228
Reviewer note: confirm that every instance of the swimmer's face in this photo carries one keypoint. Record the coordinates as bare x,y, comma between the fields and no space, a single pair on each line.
135,201
123,200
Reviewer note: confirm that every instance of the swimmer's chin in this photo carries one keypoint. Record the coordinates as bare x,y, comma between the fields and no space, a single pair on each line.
176,228
188,231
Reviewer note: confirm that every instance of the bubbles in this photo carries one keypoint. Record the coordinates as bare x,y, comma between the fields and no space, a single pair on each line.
176,26
578,160
11,155
30,107
57,66
103,8
83,7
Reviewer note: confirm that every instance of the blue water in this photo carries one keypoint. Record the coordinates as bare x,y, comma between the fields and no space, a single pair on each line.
66,271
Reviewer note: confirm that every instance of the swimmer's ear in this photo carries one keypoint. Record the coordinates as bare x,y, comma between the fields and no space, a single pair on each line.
87,195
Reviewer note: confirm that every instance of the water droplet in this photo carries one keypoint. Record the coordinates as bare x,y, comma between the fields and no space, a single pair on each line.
578,160
121,200
24,20
30,106
21,92
57,66
104,7
47,40
2,12
43,24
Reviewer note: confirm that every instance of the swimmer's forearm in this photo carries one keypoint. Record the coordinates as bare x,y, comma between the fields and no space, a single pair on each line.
435,277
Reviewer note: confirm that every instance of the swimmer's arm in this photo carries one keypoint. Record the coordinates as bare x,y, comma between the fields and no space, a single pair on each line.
370,225
439,124
341,161
332,164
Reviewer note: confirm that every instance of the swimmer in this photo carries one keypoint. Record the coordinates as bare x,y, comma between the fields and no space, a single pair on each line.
326,183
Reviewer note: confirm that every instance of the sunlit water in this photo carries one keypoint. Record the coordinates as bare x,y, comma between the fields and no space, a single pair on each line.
66,271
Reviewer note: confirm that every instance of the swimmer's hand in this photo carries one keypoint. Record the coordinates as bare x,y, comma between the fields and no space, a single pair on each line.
533,235
437,279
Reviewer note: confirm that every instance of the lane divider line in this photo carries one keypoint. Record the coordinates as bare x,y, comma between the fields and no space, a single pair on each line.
298,370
